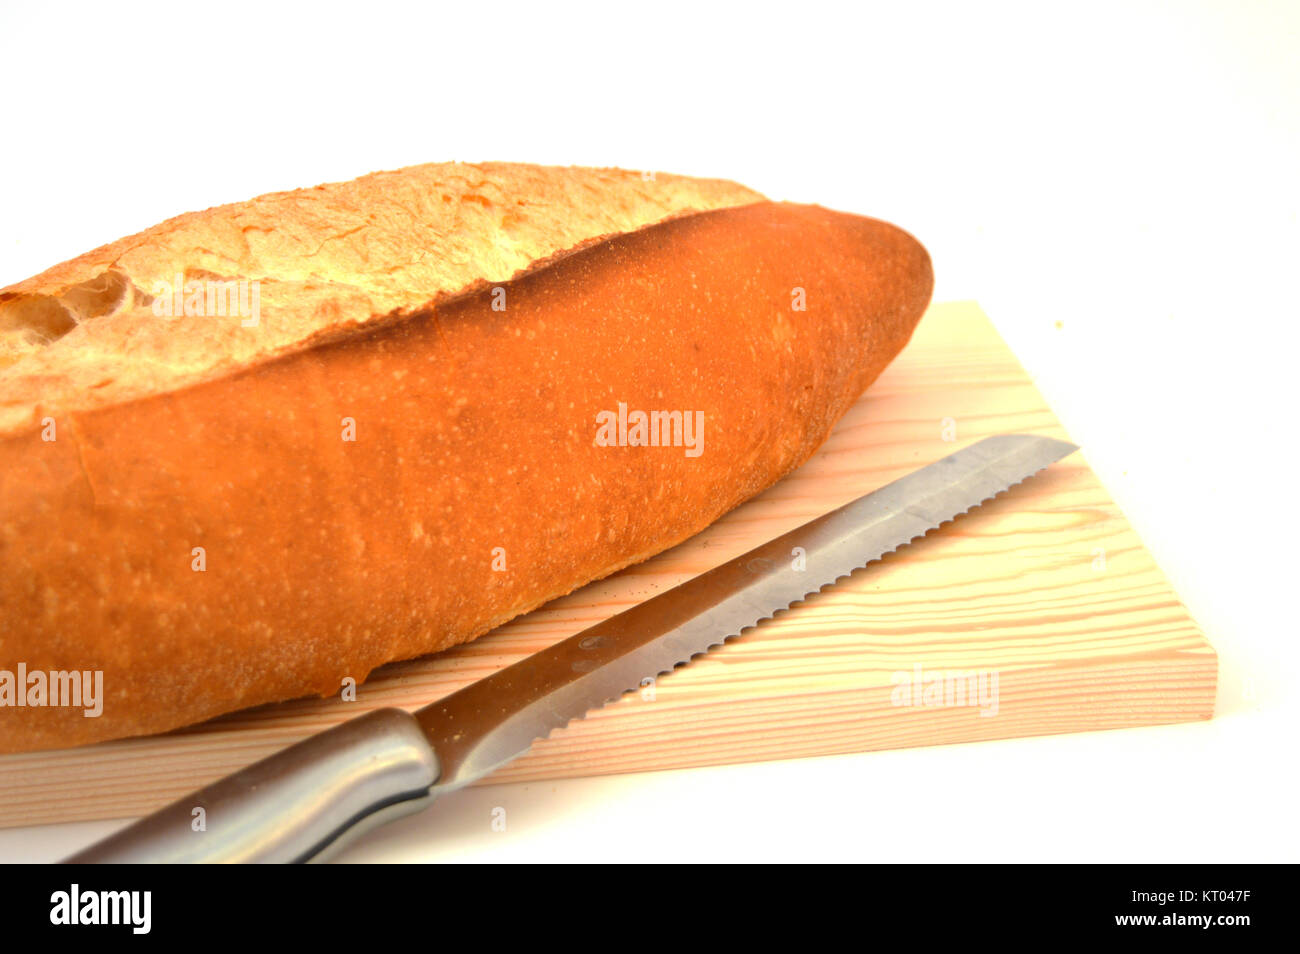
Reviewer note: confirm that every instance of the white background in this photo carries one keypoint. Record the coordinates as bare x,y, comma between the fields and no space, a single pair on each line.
1128,170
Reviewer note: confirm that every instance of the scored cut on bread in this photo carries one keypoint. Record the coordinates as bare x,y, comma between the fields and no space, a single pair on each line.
404,473
86,333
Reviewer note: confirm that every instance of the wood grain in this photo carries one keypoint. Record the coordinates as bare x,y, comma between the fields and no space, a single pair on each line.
1047,587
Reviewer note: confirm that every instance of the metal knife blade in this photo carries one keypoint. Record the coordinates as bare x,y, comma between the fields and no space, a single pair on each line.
490,722
306,801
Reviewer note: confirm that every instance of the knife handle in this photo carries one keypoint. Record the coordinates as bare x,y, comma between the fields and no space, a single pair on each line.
296,805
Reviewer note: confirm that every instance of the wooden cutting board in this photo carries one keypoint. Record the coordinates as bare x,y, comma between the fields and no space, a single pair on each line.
1046,590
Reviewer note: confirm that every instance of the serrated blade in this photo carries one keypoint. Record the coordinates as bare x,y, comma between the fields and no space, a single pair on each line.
490,722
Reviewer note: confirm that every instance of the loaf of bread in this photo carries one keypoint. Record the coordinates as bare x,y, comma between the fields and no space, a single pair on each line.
434,399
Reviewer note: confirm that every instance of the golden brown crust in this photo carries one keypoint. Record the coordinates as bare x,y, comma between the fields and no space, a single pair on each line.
86,333
475,430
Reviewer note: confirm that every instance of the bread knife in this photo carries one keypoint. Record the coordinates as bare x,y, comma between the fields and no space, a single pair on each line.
304,803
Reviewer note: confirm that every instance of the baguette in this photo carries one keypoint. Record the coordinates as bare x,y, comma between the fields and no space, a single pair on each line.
408,449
